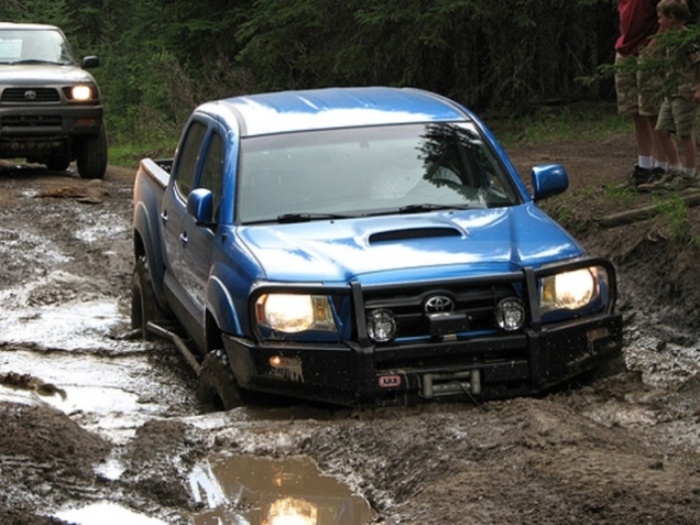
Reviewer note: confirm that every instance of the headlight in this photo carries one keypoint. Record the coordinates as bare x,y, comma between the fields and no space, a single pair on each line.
81,93
569,290
293,313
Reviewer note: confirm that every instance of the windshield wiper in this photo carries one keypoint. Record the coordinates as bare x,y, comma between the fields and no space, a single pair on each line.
305,217
420,208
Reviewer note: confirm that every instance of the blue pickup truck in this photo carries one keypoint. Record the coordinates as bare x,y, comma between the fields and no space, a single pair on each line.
362,246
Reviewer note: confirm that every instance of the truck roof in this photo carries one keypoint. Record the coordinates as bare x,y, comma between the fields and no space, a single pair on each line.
24,27
328,108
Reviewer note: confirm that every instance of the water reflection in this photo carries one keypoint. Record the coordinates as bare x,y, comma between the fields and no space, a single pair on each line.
252,490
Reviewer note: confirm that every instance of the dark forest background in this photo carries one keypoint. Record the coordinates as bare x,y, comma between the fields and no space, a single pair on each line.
160,58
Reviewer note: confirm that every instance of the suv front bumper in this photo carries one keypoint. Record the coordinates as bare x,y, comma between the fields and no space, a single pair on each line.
493,367
46,130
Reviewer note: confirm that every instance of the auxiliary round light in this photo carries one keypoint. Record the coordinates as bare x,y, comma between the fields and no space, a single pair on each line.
381,326
510,314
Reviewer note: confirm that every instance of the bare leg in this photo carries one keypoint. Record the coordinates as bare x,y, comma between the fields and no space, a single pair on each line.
643,133
661,152
689,151
668,145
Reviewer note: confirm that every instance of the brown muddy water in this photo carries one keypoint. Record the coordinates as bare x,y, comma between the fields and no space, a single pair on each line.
273,492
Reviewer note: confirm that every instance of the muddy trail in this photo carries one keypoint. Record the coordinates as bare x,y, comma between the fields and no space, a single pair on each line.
101,428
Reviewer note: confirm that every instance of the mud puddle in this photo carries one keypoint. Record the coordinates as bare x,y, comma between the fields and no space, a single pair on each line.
262,491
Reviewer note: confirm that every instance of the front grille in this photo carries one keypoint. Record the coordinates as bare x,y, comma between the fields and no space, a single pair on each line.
29,95
408,305
30,121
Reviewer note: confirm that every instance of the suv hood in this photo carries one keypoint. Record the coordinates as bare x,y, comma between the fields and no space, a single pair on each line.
42,74
454,243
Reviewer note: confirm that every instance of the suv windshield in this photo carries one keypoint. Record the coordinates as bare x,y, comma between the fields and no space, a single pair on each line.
366,171
20,46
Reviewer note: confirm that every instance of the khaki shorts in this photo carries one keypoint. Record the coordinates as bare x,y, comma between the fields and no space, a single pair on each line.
677,115
637,93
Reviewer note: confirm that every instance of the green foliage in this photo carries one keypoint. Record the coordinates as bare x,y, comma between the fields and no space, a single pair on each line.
666,61
624,197
674,212
160,58
38,11
591,120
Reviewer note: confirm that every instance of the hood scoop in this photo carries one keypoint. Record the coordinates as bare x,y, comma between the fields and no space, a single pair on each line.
413,233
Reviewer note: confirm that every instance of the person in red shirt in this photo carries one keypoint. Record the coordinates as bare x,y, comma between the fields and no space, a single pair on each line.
636,93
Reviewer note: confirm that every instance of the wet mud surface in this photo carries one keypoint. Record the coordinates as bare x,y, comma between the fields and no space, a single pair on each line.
100,428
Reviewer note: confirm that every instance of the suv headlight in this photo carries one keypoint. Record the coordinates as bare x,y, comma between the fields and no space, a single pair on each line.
294,313
81,93
571,290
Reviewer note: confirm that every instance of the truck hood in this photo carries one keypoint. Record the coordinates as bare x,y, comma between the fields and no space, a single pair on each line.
42,74
412,247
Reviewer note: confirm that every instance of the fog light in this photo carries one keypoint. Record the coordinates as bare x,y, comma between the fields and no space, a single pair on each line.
381,326
510,314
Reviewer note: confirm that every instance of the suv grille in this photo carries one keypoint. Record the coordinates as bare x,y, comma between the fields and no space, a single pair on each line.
29,95
411,306
31,121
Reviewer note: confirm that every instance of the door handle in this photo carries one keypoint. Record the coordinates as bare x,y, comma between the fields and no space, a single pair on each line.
164,216
183,237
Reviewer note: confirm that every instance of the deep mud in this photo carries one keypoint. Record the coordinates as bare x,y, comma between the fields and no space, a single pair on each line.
94,420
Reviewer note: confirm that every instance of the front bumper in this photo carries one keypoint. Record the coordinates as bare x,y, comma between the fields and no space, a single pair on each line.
493,367
46,130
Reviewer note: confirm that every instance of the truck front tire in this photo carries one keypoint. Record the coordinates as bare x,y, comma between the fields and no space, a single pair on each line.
91,155
217,385
59,163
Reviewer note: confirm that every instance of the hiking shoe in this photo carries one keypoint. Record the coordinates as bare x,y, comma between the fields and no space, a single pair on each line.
682,182
644,178
660,182
674,180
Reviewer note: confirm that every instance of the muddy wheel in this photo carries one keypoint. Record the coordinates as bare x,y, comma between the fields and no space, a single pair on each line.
144,307
217,385
91,156
607,369
59,163
612,367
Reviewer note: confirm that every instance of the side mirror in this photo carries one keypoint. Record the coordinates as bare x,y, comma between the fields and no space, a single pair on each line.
549,180
200,205
90,62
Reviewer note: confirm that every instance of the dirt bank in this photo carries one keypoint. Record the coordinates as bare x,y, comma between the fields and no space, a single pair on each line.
90,416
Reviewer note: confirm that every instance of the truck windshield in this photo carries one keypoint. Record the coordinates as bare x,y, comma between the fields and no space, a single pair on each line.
34,46
369,171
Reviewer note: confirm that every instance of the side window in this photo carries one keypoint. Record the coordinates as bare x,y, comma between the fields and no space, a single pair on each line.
188,155
213,169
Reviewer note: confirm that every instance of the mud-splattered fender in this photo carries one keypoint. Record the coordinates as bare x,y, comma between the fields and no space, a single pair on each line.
221,306
146,226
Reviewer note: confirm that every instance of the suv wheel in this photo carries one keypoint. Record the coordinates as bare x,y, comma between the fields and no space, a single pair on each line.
217,385
59,163
144,307
91,155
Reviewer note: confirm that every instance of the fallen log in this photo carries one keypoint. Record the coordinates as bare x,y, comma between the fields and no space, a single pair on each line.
642,214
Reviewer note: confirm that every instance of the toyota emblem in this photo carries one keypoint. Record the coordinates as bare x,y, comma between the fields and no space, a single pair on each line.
30,94
438,304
